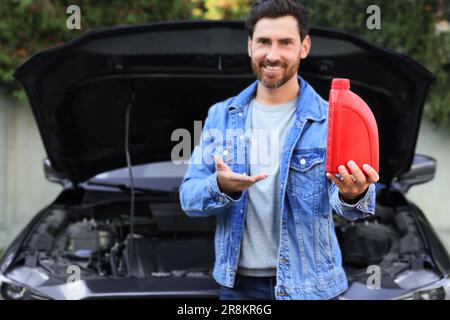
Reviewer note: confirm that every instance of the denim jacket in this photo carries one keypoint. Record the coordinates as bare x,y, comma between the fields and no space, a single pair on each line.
309,257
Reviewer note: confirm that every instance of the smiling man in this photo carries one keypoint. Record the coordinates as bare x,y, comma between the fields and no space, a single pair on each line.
275,237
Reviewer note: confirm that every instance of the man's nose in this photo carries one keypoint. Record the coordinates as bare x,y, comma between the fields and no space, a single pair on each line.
273,54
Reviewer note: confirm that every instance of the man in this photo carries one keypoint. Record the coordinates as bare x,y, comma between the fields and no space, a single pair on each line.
274,237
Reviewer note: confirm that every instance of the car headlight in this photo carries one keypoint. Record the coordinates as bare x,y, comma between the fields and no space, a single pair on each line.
10,291
439,290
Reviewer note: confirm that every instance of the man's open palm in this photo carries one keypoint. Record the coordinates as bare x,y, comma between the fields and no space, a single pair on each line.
230,181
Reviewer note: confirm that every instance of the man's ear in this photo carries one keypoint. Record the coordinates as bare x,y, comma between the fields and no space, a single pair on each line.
249,47
306,46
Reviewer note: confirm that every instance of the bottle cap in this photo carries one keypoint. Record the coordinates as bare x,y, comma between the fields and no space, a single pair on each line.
340,84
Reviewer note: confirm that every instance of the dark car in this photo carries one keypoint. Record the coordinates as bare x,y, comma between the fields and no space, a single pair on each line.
118,94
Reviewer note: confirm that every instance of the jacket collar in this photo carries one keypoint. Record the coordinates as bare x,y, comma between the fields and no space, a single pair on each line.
309,103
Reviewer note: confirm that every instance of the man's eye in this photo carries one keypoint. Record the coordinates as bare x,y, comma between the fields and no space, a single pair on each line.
263,41
285,42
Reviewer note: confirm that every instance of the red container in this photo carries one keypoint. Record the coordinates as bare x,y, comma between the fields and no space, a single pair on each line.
352,129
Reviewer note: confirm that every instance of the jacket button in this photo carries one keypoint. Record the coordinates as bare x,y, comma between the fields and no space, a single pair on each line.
302,161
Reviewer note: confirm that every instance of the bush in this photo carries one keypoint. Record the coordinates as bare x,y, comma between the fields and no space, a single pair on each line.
29,26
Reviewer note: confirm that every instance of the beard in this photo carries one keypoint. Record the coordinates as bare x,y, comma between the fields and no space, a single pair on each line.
274,82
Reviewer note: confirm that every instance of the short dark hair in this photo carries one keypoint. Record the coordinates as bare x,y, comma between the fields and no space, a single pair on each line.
275,9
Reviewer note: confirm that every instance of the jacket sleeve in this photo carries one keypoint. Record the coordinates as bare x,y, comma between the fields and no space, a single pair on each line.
199,192
364,208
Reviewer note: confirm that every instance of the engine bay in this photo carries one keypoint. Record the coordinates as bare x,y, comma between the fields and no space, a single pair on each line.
95,236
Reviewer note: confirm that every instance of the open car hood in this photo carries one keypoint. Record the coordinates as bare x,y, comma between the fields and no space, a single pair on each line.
79,92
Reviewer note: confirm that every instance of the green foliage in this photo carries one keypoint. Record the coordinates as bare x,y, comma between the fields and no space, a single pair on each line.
407,26
221,9
29,26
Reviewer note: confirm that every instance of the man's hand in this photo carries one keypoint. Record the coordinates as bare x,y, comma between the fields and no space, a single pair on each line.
230,182
353,185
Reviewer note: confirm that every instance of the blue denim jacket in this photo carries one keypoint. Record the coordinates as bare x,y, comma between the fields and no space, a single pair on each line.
309,257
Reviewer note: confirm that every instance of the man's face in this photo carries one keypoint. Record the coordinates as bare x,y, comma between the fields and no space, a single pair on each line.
276,50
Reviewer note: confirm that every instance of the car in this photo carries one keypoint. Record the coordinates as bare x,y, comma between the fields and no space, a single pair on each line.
107,105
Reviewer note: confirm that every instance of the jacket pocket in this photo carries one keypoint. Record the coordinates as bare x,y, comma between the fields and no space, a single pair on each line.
305,169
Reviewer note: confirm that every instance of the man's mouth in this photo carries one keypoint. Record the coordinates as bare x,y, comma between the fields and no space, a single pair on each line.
273,68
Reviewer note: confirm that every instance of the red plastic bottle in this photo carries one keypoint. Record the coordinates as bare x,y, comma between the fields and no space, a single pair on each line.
352,129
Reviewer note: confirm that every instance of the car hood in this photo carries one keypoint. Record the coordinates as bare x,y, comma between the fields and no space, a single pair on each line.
79,92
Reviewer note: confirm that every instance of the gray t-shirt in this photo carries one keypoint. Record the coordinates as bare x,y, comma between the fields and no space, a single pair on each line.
259,247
